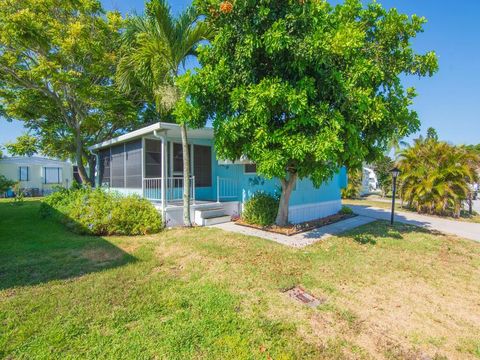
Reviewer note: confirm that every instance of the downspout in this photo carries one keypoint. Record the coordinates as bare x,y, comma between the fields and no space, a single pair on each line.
164,179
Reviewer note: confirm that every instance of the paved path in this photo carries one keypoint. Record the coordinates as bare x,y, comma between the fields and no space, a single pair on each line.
303,239
463,229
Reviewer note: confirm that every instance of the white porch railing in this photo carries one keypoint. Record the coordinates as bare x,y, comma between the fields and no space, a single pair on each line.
152,189
227,189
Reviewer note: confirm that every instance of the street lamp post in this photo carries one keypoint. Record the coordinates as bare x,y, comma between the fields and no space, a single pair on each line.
395,172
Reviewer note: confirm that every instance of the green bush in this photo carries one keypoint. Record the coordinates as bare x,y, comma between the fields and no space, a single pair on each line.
345,210
134,216
97,212
261,209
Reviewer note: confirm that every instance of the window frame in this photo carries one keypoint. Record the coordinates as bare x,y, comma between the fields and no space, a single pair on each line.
59,177
249,172
20,173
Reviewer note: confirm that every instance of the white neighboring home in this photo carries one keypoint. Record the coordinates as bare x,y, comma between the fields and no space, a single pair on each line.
369,181
37,175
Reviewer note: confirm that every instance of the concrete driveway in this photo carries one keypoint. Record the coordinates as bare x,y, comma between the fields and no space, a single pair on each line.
463,229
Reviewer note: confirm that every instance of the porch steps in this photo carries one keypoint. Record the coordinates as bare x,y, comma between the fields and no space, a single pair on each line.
211,215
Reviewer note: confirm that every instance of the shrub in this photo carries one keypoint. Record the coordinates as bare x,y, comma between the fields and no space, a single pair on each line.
134,216
345,210
261,209
5,184
97,212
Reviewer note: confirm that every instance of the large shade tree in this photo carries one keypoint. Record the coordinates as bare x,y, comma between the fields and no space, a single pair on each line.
57,64
155,49
303,88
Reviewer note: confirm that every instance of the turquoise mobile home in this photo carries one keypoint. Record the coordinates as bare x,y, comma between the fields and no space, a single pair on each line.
149,162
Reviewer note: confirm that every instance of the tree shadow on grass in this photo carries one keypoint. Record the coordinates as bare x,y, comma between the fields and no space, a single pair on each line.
34,250
369,234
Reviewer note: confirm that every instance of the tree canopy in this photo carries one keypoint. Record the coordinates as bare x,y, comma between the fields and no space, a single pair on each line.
25,145
382,166
303,88
57,64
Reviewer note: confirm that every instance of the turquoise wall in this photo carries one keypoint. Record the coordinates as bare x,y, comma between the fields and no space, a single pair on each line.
249,184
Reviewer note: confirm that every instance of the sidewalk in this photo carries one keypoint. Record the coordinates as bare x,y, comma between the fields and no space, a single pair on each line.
463,229
299,240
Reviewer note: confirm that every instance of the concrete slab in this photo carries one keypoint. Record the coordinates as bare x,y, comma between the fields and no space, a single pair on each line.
464,229
299,240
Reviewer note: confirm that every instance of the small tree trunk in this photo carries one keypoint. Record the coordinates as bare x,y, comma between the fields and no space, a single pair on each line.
287,188
186,177
79,158
92,162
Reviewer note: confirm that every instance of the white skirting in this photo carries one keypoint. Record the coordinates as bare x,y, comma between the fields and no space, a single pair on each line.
307,212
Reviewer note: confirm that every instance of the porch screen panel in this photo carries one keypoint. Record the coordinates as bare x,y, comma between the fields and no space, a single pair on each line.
202,165
104,167
153,158
133,164
117,165
177,158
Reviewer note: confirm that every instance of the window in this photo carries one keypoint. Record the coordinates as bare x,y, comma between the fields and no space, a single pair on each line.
133,164
23,173
177,158
250,168
202,165
153,158
117,165
53,175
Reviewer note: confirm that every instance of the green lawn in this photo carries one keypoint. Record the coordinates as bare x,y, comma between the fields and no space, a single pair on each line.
398,207
206,294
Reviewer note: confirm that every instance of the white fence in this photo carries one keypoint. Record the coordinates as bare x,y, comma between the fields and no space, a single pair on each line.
227,189
152,188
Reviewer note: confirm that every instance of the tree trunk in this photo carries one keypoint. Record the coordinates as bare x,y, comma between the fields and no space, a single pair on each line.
79,158
186,177
287,188
92,162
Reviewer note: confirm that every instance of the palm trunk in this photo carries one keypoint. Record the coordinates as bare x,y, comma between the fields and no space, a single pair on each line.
186,177
287,188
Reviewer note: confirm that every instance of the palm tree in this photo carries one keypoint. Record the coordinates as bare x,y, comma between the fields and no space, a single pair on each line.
155,49
436,176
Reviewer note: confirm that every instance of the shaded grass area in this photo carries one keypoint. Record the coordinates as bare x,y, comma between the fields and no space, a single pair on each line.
388,205
202,293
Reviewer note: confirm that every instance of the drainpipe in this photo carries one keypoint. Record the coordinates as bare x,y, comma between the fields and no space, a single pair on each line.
164,178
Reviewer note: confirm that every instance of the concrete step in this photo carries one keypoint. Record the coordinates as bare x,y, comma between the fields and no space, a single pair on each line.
210,213
216,220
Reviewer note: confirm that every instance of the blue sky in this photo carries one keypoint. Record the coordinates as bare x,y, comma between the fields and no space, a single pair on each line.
450,101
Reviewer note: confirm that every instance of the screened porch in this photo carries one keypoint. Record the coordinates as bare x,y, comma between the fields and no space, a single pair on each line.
153,168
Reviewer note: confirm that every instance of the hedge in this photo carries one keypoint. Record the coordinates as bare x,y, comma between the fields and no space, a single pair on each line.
98,212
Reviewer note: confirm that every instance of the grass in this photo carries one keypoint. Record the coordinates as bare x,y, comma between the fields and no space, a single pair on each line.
388,205
202,293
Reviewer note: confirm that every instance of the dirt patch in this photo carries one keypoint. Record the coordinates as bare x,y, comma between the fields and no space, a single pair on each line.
398,312
294,229
101,255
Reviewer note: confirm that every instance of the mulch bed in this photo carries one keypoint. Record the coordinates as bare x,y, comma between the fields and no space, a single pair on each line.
294,229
